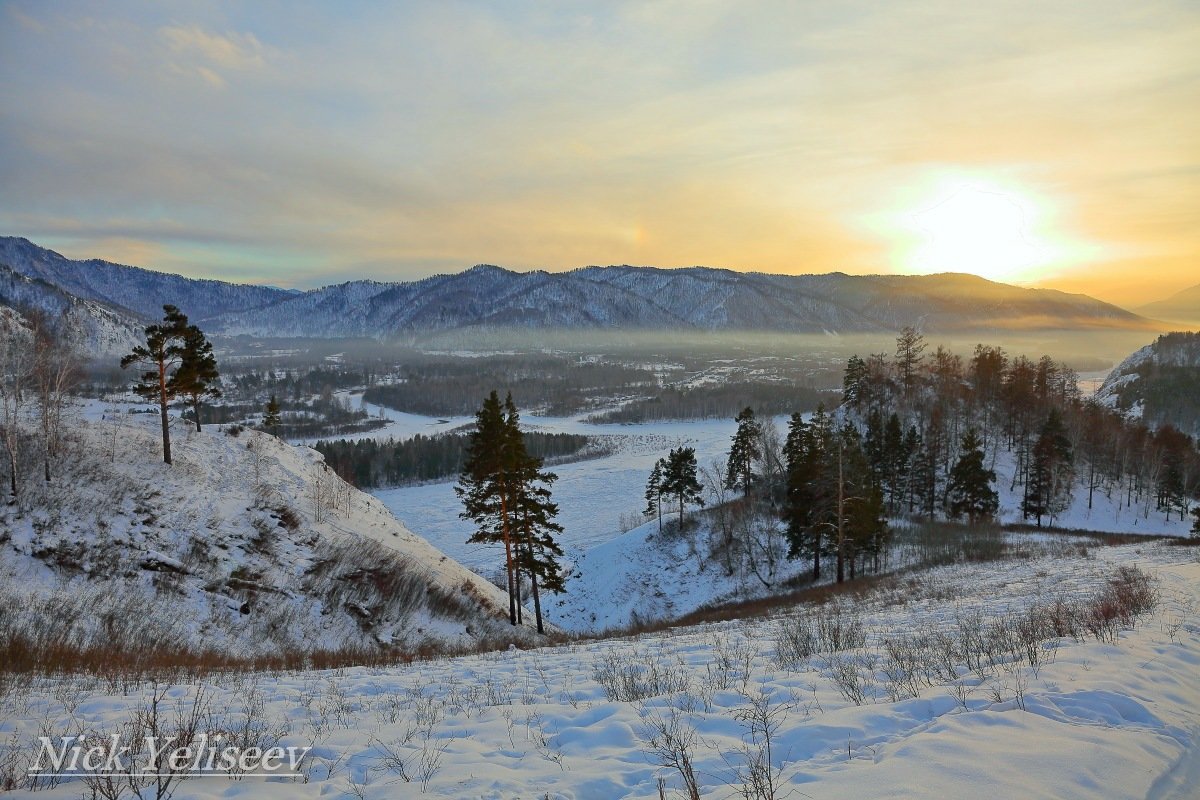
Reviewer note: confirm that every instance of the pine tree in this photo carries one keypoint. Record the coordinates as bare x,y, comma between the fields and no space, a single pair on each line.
1196,524
486,484
196,378
810,495
910,346
1048,488
744,452
272,417
654,491
534,518
680,479
162,353
854,382
969,491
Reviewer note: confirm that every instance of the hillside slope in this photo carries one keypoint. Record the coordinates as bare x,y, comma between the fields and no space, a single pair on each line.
141,291
1160,383
97,328
245,543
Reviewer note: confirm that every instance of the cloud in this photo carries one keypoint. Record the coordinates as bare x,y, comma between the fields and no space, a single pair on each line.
408,138
212,56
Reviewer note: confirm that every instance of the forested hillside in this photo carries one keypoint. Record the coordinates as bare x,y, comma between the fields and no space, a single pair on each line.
1160,384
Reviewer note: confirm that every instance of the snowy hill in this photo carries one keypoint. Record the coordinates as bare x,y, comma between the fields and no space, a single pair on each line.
245,544
141,291
1160,383
97,327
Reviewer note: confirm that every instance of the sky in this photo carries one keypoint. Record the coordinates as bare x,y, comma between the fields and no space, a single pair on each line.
297,144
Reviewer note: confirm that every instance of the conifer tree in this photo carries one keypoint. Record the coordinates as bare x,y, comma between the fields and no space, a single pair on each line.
854,381
680,479
272,417
485,488
969,491
654,491
162,353
534,517
1048,488
1196,524
196,378
745,450
910,347
810,495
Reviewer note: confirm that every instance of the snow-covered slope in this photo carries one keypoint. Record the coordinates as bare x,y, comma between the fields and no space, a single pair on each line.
141,291
613,298
695,298
97,328
254,545
1111,719
1160,383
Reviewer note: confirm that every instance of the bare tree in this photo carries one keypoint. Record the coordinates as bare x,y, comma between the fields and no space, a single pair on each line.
16,374
55,373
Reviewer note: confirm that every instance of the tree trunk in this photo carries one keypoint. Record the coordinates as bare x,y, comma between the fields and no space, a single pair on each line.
508,557
162,410
12,476
196,411
841,550
537,602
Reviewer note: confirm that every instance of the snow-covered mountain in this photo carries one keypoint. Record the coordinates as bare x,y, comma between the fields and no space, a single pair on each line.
613,298
97,327
141,291
245,544
696,298
1160,383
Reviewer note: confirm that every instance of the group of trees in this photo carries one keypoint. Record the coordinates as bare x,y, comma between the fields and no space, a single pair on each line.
554,385
710,401
834,499
506,494
370,463
943,422
676,478
39,366
179,364
921,434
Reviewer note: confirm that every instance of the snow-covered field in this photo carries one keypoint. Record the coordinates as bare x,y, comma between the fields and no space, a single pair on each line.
1074,719
592,495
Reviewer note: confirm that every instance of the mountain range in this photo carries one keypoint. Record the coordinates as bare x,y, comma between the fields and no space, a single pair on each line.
1183,306
109,300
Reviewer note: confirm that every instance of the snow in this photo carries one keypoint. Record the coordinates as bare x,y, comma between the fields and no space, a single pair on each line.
1095,719
400,425
117,514
592,495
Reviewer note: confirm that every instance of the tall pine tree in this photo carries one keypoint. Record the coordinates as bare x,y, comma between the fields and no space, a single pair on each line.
162,354
744,452
680,479
196,378
485,487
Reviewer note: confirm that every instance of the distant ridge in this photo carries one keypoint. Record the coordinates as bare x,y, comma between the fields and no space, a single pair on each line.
1182,306
587,298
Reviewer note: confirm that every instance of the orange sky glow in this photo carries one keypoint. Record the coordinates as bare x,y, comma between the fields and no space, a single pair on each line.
1041,144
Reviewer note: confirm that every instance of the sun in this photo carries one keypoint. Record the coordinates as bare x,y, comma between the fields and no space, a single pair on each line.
979,229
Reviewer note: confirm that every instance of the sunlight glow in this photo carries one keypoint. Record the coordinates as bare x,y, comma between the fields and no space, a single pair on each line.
982,230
